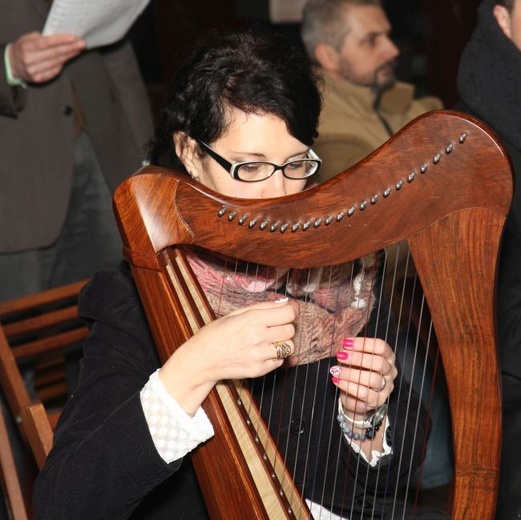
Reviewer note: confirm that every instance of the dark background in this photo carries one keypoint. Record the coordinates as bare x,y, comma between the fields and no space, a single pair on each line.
430,33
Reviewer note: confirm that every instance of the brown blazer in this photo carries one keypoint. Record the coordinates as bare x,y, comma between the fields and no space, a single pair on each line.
36,130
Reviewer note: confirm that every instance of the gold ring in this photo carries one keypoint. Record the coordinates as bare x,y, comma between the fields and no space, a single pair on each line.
283,349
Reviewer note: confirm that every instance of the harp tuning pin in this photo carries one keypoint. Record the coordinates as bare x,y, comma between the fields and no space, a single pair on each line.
252,223
423,168
340,216
243,219
449,148
387,192
411,176
317,222
363,205
351,211
374,198
222,211
306,225
232,215
437,158
263,224
284,227
399,185
328,220
295,226
274,227
463,137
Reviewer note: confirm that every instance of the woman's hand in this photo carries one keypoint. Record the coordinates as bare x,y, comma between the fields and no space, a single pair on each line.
35,58
238,345
365,374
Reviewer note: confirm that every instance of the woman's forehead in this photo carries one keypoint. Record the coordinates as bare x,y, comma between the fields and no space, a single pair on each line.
257,130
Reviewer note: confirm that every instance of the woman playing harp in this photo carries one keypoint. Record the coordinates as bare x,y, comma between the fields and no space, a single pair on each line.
241,119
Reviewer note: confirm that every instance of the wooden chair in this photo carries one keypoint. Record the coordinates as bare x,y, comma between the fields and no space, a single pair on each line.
35,332
11,487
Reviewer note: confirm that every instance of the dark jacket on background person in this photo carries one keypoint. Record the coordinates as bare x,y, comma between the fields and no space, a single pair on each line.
37,132
489,85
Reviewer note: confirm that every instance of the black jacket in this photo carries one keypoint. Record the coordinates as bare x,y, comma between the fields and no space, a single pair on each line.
489,85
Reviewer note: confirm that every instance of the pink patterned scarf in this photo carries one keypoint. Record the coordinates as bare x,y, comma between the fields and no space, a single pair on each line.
334,302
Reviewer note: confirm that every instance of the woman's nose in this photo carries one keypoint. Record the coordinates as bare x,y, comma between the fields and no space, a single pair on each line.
275,186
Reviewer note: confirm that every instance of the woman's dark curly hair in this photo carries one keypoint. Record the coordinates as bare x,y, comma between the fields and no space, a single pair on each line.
248,71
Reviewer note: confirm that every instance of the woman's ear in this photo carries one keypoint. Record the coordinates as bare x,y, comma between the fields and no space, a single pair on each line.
503,19
187,150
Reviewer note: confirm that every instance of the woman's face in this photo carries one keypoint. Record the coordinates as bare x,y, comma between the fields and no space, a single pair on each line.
249,137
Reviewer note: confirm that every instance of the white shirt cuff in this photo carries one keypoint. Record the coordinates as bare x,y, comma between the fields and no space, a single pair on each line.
375,454
11,81
173,431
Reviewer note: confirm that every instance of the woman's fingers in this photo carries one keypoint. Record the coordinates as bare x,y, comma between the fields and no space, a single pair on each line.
245,343
365,373
368,353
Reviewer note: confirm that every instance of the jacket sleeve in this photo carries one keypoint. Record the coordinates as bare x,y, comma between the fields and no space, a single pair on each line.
104,463
509,279
122,67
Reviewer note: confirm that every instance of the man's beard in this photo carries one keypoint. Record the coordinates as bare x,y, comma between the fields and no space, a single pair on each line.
390,79
372,82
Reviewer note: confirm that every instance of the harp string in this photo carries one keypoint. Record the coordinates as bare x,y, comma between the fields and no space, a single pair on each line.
321,416
416,375
420,363
405,337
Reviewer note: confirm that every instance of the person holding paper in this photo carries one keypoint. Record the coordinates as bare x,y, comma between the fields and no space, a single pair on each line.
35,58
74,123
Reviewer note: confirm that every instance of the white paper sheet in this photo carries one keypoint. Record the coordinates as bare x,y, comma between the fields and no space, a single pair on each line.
99,22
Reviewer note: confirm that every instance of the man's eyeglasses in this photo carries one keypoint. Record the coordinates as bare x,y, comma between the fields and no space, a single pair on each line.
256,171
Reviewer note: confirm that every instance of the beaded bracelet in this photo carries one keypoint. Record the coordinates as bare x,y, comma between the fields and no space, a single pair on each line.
370,432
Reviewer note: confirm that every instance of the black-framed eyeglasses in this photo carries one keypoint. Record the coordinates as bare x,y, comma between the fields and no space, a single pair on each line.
257,171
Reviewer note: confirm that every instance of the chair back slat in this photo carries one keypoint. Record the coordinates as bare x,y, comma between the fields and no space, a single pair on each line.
35,333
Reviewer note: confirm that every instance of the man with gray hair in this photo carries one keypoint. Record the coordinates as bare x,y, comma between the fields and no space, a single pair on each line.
363,103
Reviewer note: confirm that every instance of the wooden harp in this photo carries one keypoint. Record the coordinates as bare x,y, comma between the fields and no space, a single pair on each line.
443,183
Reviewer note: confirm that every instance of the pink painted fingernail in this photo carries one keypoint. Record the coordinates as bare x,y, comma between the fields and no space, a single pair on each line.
334,371
335,380
343,356
348,343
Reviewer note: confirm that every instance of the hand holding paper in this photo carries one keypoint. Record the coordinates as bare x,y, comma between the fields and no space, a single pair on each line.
99,22
35,58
